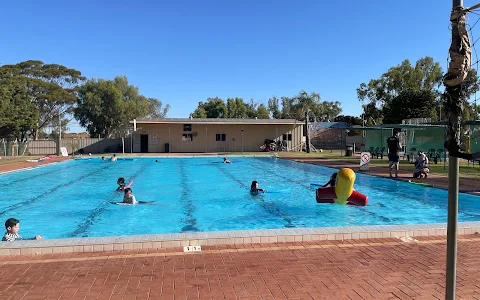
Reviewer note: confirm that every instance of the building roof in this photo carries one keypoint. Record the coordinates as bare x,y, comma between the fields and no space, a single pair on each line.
219,121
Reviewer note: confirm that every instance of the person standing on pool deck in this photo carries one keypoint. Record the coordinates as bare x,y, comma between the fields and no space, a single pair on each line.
394,148
254,188
12,226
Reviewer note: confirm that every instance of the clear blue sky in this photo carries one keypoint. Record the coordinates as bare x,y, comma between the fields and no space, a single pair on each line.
182,52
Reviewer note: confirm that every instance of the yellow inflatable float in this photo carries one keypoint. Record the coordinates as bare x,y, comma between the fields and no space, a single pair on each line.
343,192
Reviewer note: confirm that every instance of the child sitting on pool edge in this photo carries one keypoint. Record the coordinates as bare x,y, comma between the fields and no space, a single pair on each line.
129,198
254,188
12,226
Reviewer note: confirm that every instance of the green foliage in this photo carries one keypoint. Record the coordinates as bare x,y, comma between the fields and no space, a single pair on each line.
404,81
350,120
51,88
262,112
106,107
410,104
213,108
274,108
18,115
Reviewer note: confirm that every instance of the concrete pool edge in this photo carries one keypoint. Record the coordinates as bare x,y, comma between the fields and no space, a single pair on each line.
115,243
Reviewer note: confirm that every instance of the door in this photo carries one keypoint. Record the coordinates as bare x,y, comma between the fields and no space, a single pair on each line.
144,143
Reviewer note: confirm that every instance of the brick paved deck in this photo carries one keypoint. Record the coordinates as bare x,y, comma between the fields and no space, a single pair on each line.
355,269
12,166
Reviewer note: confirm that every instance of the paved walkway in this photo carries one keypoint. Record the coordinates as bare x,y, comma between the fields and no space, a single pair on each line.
354,269
11,166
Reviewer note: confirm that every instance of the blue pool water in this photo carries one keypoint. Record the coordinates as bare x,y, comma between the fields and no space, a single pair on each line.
72,199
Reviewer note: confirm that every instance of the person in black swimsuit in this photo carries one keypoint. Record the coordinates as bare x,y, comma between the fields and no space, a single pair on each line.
333,180
254,188
394,148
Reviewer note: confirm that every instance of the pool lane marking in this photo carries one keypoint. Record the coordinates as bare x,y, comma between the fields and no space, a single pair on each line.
270,207
92,217
35,176
382,218
286,247
8,209
190,220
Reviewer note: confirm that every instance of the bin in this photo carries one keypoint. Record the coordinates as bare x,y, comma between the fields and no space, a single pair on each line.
167,147
349,150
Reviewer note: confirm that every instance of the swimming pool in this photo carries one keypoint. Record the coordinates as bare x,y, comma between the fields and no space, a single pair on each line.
72,199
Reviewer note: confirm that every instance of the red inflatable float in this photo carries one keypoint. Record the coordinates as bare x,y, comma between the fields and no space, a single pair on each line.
327,195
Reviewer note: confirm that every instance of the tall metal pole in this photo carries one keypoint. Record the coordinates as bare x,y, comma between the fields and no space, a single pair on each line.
307,139
59,134
453,183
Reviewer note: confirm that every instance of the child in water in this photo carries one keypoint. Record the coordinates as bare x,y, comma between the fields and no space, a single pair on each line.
333,180
226,161
12,226
129,198
121,184
113,158
254,188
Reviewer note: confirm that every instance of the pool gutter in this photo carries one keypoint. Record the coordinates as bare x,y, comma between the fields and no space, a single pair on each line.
114,243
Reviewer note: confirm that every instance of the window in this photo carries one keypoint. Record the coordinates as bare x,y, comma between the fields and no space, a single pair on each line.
187,137
187,127
221,137
287,137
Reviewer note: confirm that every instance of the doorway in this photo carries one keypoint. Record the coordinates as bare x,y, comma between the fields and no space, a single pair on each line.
144,143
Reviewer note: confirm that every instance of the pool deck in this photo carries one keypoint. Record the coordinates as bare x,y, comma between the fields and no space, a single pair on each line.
352,269
7,167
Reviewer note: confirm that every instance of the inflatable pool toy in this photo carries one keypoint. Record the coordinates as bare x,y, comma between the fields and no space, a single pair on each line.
421,184
343,192
139,202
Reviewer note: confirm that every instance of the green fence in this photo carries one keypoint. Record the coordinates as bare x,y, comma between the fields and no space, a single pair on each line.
474,138
425,139
377,139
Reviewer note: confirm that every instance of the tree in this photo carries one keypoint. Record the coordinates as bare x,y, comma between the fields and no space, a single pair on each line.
274,107
106,107
410,104
213,108
262,112
287,108
350,120
297,106
236,108
18,115
51,87
425,76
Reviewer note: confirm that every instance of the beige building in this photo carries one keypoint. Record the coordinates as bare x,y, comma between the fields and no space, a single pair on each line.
213,135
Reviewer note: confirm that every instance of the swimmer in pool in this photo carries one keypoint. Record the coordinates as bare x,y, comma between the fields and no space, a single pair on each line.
121,184
113,158
254,188
129,198
333,180
226,161
103,157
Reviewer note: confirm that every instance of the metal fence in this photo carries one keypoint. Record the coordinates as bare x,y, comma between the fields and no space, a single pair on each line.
77,146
